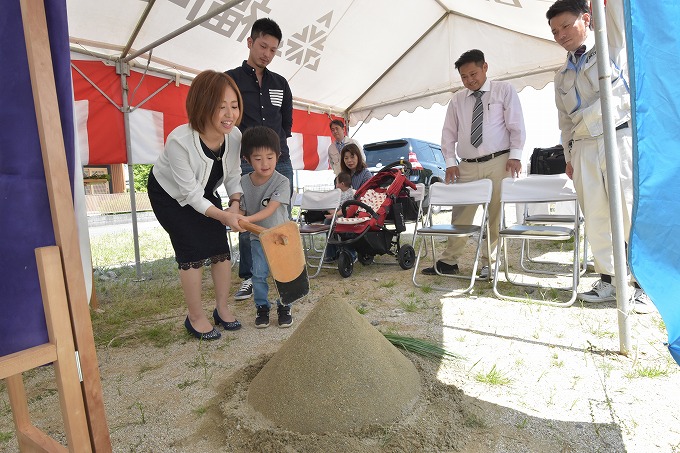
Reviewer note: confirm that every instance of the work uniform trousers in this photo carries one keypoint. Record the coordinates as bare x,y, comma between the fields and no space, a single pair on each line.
590,182
494,170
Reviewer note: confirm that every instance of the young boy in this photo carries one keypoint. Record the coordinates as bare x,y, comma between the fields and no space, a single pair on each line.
266,194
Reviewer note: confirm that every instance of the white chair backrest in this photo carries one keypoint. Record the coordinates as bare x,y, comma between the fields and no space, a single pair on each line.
418,193
475,192
312,199
538,189
295,199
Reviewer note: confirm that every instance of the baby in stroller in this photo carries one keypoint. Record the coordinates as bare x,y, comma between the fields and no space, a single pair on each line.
372,222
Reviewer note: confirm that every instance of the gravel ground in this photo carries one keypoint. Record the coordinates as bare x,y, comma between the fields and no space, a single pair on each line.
532,378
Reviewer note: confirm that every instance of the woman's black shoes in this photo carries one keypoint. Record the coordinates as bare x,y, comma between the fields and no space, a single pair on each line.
234,325
208,336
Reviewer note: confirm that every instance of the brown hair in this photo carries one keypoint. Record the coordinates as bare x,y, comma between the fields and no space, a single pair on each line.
205,97
352,149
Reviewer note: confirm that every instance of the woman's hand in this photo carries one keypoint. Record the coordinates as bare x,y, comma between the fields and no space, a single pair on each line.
569,170
230,218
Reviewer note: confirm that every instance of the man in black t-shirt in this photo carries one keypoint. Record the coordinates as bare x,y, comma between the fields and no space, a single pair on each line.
267,101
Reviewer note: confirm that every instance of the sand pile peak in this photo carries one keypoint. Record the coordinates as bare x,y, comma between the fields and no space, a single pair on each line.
335,373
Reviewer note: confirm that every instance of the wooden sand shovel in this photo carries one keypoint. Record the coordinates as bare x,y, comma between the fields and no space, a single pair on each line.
282,247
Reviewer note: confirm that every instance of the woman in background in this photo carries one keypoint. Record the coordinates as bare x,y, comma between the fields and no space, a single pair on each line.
353,163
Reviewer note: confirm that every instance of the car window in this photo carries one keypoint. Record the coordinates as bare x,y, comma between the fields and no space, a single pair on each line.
385,156
423,152
438,155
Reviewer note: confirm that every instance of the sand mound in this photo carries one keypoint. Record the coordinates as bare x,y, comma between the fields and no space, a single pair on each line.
335,373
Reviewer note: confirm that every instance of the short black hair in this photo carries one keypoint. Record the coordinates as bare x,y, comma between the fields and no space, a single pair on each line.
258,137
337,123
266,26
344,178
471,56
567,6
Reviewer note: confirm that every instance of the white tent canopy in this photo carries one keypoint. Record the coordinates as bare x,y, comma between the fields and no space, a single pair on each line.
363,59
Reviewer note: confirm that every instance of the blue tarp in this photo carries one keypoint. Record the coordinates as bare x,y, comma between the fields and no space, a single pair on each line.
653,33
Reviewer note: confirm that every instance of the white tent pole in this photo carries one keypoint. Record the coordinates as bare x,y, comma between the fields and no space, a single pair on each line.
124,71
613,175
198,21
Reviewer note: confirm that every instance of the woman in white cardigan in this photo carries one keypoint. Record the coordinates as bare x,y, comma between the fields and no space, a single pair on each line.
182,186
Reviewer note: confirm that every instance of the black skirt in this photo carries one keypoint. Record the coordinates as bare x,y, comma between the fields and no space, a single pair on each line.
196,239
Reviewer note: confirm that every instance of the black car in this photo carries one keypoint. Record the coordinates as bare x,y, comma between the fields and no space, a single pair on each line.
429,155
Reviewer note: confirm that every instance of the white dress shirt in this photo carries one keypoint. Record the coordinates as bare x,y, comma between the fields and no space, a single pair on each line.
503,124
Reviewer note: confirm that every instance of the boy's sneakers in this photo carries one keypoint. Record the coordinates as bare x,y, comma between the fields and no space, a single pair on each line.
601,292
484,273
262,319
642,304
285,318
246,290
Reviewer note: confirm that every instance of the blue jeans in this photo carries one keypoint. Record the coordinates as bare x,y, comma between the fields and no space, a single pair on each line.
245,264
260,274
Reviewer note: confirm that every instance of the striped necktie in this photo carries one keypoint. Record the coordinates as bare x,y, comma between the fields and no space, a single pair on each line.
477,118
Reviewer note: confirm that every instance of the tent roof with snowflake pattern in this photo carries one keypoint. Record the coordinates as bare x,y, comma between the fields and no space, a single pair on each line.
362,58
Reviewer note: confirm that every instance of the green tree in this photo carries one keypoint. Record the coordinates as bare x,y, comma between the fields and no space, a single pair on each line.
141,175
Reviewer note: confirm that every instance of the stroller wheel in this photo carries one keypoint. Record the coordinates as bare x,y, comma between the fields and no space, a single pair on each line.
407,256
345,264
365,259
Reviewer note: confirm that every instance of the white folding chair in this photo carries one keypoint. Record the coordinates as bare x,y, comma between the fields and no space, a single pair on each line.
537,189
560,213
449,196
322,201
418,195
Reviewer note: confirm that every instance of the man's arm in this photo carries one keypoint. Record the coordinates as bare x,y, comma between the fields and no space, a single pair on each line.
287,111
449,140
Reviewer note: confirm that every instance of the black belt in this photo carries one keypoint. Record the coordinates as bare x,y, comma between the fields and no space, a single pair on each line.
487,157
622,126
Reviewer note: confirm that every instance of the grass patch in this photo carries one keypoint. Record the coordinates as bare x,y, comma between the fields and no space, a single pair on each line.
6,436
112,250
409,306
362,309
129,310
555,361
388,284
493,377
647,372
601,332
